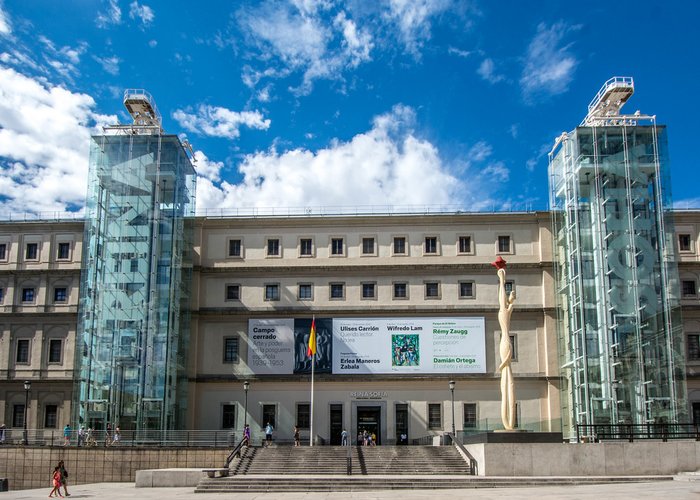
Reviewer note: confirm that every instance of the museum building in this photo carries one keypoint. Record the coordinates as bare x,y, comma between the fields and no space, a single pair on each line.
147,316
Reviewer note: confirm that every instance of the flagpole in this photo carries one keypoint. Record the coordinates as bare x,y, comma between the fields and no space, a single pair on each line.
311,423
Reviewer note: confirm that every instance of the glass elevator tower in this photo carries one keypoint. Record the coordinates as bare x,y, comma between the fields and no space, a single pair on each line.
621,350
134,293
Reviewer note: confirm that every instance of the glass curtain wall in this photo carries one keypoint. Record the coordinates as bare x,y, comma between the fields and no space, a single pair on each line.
134,293
621,350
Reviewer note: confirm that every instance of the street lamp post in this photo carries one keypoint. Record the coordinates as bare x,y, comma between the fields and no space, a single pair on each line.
27,388
452,390
246,386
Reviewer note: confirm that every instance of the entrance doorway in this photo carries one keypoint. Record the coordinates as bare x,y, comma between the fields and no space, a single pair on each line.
368,419
336,424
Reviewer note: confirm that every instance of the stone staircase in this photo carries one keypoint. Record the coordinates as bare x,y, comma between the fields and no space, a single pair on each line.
291,460
413,460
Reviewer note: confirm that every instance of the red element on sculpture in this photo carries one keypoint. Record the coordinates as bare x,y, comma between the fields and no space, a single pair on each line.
499,263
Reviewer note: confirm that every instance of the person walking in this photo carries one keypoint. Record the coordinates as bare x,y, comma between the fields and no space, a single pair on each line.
81,435
246,436
268,434
66,435
56,481
344,438
64,477
117,436
296,436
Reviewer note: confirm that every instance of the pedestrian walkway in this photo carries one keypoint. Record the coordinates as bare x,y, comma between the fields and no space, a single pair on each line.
678,490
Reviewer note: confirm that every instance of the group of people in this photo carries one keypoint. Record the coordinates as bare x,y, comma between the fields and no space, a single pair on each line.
86,437
365,438
59,478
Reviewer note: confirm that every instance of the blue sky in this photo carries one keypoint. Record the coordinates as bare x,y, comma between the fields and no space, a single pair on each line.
303,103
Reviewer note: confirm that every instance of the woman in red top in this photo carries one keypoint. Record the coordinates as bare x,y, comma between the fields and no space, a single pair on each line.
56,478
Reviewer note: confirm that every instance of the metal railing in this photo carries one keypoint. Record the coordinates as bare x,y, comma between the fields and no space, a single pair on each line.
630,432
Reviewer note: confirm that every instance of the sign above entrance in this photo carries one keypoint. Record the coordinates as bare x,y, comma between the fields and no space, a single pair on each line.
369,394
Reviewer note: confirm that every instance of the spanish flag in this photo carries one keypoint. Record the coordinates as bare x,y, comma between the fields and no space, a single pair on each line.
311,351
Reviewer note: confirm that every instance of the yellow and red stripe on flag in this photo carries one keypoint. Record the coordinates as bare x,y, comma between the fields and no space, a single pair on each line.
312,339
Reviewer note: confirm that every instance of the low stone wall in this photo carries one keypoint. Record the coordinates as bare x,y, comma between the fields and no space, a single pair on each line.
594,459
32,467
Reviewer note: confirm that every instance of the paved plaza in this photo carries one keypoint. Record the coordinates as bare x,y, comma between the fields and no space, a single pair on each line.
678,490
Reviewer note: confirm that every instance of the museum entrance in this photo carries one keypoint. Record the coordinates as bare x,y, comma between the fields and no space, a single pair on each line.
369,419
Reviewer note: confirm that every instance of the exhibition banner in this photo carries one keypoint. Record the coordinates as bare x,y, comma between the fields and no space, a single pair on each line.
271,346
409,345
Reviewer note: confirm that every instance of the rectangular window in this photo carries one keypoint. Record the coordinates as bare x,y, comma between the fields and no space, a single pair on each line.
688,288
337,291
367,246
514,347
3,251
60,294
32,251
2,294
694,347
228,416
303,415
400,290
684,243
50,416
465,244
134,265
306,247
504,244
18,415
368,290
233,292
399,245
272,292
63,251
234,248
55,350
22,351
432,290
27,295
273,247
430,245
305,291
509,286
268,413
231,350
337,246
466,289
434,416
470,421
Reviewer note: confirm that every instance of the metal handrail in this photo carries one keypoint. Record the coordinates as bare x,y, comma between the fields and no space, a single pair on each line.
235,453
473,464
630,432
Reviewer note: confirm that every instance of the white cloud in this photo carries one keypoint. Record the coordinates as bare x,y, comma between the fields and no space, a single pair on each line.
685,204
65,60
480,151
5,26
543,150
413,19
459,52
206,168
44,144
112,15
219,122
109,64
487,71
152,43
387,165
142,12
549,65
357,43
498,171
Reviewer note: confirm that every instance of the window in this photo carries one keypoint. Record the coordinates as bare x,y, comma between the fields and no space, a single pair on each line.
694,347
367,246
2,294
514,347
63,251
432,290
234,248
233,292
228,416
470,421
306,247
22,351
32,251
268,413
431,245
18,415
272,292
3,251
337,291
231,350
504,244
28,295
688,288
509,286
684,243
399,245
400,290
134,265
303,415
273,247
369,290
55,350
305,291
465,244
60,294
434,416
50,416
337,246
466,289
